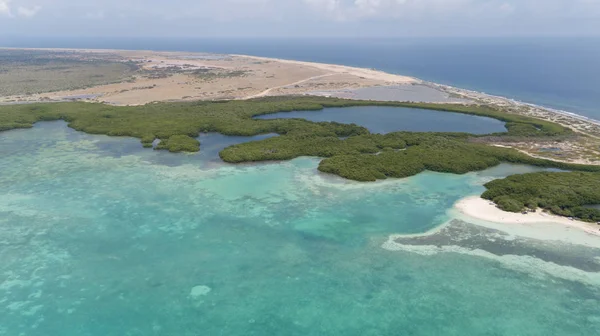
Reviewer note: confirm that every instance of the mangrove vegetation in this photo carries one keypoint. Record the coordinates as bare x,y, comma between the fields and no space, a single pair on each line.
349,150
565,194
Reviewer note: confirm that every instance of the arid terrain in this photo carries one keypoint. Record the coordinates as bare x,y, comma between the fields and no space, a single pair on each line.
171,76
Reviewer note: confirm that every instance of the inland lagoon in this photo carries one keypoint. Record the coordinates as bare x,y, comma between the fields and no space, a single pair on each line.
384,119
101,237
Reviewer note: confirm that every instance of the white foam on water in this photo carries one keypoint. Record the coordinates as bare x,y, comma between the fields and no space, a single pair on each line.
532,266
549,231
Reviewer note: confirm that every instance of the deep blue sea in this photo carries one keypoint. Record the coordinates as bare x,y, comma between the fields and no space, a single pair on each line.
561,73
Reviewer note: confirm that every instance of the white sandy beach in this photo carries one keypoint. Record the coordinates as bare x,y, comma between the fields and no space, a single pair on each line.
479,208
343,69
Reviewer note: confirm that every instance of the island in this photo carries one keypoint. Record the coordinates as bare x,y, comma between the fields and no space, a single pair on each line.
167,99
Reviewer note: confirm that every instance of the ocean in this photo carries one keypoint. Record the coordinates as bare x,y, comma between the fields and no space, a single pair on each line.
560,73
101,237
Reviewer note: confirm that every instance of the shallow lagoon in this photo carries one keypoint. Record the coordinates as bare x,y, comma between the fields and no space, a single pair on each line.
100,237
212,143
383,119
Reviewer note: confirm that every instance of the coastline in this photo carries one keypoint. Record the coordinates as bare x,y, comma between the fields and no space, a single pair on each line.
469,95
480,209
344,69
529,108
524,108
475,227
313,75
264,77
572,120
191,76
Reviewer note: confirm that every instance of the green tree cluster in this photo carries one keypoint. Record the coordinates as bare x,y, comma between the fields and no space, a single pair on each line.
350,150
434,153
562,193
162,120
179,143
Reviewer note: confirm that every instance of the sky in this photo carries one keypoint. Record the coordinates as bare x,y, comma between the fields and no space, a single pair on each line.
299,18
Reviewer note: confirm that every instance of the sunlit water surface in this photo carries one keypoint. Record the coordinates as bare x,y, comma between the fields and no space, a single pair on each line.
100,237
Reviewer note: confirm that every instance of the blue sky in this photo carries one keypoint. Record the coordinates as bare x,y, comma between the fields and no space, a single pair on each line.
299,18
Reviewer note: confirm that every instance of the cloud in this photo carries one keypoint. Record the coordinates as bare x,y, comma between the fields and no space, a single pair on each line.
28,12
357,10
22,11
5,8
326,5
303,17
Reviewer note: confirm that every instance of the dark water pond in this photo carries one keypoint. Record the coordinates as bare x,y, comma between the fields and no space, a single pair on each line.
380,119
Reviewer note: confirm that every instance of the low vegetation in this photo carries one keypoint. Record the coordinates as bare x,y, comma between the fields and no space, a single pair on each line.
435,153
177,124
179,143
214,74
235,117
564,194
349,150
25,72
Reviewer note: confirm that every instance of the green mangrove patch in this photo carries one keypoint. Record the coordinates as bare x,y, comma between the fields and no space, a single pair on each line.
433,152
162,120
564,194
349,150
179,143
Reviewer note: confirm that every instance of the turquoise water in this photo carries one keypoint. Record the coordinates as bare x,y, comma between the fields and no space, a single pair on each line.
381,119
100,237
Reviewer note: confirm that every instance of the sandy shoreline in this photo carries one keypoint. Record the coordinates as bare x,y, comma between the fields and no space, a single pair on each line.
481,209
336,68
504,226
